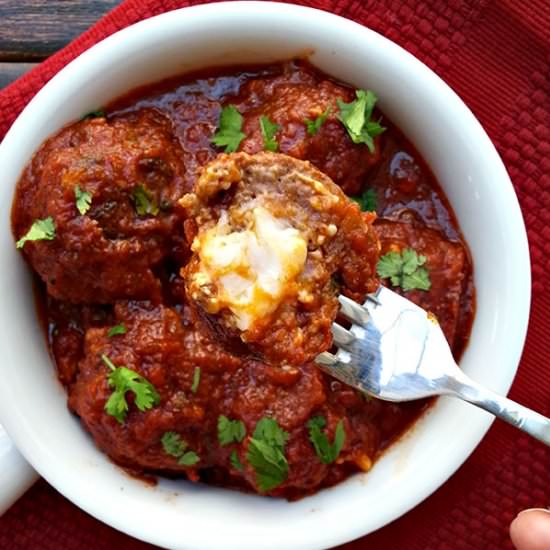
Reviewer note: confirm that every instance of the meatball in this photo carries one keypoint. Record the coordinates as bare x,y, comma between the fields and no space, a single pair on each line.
275,241
106,247
445,260
154,345
289,100
166,346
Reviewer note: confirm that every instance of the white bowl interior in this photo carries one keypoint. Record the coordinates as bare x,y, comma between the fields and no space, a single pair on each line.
178,514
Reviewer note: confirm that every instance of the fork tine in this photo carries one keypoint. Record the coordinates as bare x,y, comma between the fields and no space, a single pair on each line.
353,311
337,368
326,359
373,297
342,337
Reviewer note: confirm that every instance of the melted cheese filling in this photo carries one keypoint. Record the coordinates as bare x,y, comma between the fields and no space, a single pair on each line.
252,270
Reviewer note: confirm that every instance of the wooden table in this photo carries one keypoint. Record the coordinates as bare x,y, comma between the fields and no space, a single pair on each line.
31,30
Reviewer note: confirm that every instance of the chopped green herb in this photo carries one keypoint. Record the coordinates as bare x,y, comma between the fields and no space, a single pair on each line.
367,201
190,458
230,431
144,201
94,114
313,126
116,330
83,200
124,380
229,134
356,117
175,446
269,129
326,451
266,454
405,269
196,379
41,230
235,461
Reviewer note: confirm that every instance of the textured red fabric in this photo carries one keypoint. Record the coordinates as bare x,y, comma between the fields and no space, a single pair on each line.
496,56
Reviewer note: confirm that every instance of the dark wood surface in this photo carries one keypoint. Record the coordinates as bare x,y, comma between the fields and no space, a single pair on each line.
31,30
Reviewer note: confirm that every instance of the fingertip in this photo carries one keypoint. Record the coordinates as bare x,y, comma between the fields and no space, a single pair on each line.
530,530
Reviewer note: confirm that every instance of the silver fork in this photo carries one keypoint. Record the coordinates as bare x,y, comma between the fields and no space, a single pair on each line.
396,351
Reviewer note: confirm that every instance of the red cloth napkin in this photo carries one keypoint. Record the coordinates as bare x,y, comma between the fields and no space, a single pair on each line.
496,56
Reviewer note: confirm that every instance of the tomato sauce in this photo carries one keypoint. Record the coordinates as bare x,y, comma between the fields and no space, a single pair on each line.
118,266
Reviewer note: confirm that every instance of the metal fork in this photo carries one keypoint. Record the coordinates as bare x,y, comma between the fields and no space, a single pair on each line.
396,351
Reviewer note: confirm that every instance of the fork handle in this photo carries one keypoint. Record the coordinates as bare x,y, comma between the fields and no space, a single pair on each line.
521,417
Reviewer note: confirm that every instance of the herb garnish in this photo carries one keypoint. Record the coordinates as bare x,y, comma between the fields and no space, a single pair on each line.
235,461
83,200
116,330
94,114
266,454
175,446
41,230
230,431
356,117
313,126
269,129
196,379
144,201
405,270
124,380
367,201
326,451
229,134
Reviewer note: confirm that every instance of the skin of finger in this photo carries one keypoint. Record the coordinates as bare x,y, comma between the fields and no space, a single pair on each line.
531,530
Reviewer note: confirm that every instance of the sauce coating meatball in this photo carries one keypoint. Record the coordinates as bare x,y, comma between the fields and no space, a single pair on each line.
447,264
147,334
291,99
130,169
275,242
166,346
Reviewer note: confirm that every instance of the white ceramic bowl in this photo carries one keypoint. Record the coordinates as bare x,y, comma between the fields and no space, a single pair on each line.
178,514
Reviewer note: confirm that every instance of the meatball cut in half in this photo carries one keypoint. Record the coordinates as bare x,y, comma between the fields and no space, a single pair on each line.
274,242
106,188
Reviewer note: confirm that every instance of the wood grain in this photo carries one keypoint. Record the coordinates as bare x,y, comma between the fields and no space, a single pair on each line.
11,71
31,30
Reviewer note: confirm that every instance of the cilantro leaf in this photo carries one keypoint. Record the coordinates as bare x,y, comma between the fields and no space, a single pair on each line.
41,230
124,380
266,454
356,117
83,200
269,129
229,134
230,431
367,201
94,114
196,379
190,458
411,261
175,446
270,464
420,280
326,451
144,201
389,267
235,461
313,126
116,330
405,269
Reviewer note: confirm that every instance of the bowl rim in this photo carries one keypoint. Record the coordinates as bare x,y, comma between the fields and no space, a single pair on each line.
22,433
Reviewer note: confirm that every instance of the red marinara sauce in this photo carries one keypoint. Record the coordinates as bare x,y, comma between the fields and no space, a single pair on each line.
127,274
